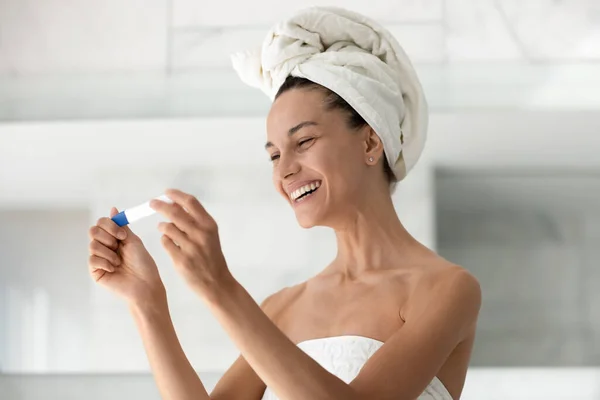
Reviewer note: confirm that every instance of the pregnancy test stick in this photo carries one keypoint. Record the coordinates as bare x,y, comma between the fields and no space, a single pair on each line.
138,212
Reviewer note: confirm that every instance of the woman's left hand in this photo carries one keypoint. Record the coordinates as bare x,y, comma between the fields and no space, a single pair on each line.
192,241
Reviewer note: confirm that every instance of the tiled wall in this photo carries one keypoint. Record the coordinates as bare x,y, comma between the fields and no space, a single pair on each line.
170,58
89,36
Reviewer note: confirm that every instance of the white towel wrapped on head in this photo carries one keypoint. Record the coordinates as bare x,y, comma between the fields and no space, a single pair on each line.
356,58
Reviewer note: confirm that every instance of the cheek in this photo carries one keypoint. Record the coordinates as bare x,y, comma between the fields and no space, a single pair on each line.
340,159
345,174
340,166
277,184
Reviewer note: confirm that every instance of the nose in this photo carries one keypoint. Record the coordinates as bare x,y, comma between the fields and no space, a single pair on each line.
288,166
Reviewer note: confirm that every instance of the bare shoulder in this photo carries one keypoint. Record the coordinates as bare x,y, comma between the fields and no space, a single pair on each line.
445,287
434,274
447,276
275,304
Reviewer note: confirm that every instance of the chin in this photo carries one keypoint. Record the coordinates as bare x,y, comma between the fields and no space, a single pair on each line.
311,209
306,223
310,217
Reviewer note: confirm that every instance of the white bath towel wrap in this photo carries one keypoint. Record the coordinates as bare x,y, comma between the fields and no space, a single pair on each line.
356,58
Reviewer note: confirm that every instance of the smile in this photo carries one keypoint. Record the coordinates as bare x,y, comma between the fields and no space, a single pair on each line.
305,191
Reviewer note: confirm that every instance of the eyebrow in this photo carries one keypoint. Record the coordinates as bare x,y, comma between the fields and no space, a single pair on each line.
293,130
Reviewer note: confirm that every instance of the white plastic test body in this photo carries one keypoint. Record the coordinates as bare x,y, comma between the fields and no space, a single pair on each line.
133,214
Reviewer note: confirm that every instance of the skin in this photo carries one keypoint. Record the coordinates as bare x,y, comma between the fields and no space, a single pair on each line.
383,284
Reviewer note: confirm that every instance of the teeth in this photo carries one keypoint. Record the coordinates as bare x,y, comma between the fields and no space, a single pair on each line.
306,188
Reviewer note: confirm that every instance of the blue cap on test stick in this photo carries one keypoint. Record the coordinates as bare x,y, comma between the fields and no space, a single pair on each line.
120,219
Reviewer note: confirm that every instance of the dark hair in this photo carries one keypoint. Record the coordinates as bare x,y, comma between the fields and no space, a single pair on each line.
333,101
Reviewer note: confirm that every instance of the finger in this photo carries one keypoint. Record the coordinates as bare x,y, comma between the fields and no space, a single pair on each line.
189,202
128,232
99,250
112,228
175,234
96,263
175,213
172,249
100,235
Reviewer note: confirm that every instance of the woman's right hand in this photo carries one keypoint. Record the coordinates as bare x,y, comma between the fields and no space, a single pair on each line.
120,262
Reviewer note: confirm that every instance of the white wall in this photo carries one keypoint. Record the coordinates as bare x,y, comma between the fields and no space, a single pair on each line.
170,59
82,328
87,166
76,154
482,383
45,290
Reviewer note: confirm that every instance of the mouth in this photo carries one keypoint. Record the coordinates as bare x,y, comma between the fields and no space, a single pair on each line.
301,194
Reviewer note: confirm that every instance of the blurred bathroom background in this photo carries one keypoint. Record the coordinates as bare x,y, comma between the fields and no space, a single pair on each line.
109,102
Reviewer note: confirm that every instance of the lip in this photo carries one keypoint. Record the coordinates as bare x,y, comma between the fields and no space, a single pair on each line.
289,189
295,204
302,203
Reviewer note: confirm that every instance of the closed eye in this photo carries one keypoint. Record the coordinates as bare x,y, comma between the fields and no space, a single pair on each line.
306,141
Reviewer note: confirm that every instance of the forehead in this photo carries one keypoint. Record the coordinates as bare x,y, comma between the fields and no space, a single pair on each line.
293,107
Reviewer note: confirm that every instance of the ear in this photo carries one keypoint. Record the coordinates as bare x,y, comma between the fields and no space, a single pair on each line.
373,146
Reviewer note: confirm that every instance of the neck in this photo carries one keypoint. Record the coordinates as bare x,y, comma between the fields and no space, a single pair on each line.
372,238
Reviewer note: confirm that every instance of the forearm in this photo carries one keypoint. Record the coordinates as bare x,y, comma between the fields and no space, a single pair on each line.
286,369
173,373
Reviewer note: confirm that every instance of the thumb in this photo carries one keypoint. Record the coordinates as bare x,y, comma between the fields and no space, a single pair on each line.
130,235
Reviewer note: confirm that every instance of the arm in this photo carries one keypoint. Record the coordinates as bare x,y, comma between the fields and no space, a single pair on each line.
401,369
192,241
444,313
240,381
289,372
173,373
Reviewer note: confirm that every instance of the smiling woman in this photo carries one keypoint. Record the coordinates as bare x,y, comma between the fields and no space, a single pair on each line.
331,101
307,134
387,318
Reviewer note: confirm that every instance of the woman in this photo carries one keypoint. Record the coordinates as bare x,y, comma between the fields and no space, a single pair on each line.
388,318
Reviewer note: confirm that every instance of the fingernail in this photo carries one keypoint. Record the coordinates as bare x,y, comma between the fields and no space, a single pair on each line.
122,235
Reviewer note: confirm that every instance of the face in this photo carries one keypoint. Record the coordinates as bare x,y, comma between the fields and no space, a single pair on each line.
319,164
